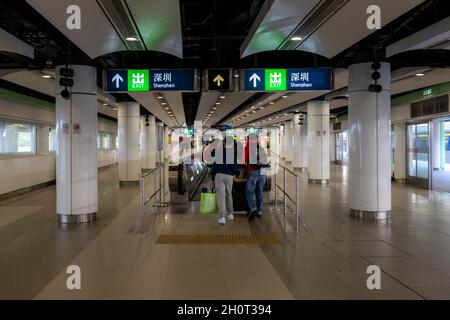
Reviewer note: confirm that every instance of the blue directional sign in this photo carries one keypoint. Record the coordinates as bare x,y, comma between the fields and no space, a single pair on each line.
116,81
173,80
307,79
151,80
254,80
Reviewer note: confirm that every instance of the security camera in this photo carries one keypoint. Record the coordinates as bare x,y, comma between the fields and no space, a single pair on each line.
65,94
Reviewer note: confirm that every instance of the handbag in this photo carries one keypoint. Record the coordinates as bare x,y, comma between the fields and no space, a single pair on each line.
208,201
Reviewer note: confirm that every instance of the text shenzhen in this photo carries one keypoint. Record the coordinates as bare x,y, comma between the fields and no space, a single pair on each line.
151,80
308,79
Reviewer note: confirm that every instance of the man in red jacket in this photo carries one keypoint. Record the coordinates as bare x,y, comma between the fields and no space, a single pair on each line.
256,160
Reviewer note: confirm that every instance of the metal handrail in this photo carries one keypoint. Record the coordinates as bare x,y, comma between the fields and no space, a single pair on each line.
160,167
285,195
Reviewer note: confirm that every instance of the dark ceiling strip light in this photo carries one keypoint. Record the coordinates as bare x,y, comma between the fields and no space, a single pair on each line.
320,14
135,25
118,16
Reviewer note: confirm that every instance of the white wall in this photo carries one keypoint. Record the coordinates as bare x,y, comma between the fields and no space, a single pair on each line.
23,171
26,171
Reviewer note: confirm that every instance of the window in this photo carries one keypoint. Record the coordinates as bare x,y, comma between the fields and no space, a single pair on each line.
99,146
16,138
106,141
52,139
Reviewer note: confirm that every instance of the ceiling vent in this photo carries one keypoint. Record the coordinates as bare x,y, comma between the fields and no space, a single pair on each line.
120,17
324,10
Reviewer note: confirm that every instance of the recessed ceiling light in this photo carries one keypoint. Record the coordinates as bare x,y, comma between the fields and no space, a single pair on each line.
105,104
160,97
296,38
254,111
164,104
271,102
222,97
46,76
420,74
284,97
217,102
115,109
215,108
261,108
131,39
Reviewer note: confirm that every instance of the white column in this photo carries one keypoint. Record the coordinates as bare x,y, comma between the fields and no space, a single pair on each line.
274,142
319,141
400,152
76,152
369,142
332,146
166,142
129,155
42,139
289,141
300,143
148,141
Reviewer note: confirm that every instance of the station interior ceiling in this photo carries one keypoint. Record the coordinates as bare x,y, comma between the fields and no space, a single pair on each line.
204,34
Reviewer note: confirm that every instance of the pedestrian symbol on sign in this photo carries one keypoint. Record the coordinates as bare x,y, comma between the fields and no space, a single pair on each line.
276,79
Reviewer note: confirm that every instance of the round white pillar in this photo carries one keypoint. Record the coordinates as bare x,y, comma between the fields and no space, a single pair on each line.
400,152
300,143
369,142
319,142
148,141
76,152
129,154
166,142
288,138
332,146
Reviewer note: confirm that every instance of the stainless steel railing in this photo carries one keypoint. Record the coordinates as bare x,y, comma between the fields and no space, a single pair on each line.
286,196
159,186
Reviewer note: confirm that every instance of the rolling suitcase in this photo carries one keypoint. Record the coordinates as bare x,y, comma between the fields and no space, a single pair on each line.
239,196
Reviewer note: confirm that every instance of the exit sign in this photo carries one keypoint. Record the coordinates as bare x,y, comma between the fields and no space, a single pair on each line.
138,80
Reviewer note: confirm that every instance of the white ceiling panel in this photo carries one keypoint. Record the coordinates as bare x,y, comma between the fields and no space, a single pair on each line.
10,43
159,24
430,37
430,78
175,101
149,102
232,101
348,25
96,37
281,18
32,80
207,100
336,33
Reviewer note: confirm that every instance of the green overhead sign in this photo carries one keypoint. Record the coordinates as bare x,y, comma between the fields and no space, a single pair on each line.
138,80
275,79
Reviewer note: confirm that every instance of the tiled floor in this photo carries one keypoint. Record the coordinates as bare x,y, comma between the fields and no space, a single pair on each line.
327,260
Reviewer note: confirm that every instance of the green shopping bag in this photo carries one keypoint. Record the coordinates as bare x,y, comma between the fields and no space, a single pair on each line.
208,203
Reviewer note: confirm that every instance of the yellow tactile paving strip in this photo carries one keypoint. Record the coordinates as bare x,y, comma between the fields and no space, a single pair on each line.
224,239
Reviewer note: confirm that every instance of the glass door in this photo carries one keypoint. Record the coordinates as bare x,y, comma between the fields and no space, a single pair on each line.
418,154
440,155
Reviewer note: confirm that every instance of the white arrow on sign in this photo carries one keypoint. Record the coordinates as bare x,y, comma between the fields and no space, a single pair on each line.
117,79
255,78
